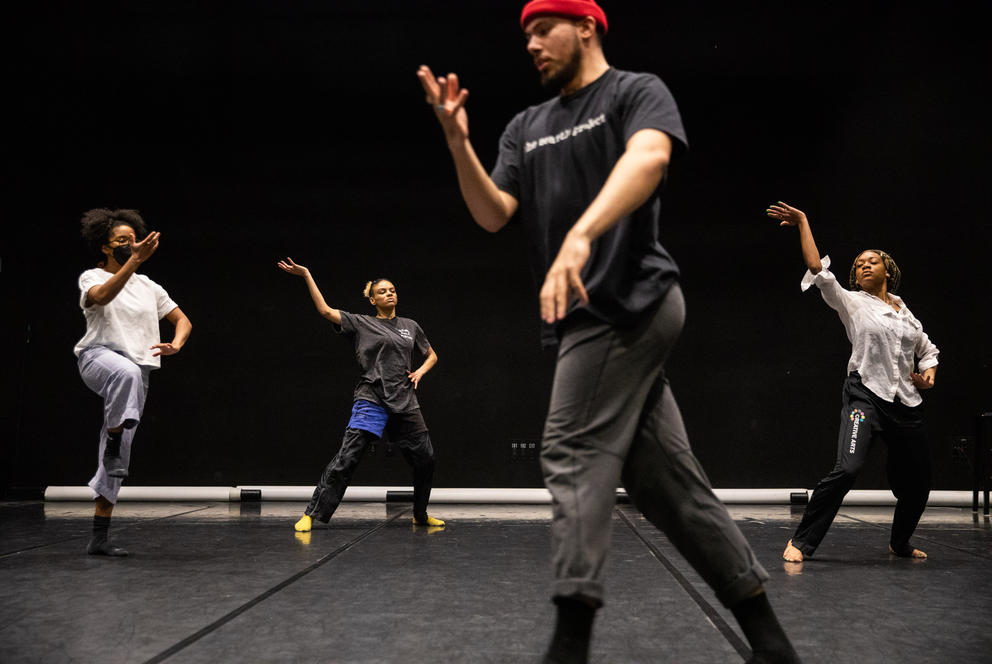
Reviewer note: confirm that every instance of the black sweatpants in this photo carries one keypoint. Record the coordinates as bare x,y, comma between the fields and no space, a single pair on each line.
864,420
417,450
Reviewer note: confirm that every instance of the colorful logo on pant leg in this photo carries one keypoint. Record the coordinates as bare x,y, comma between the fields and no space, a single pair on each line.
857,416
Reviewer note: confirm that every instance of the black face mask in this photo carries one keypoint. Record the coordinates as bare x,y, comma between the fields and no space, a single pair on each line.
122,253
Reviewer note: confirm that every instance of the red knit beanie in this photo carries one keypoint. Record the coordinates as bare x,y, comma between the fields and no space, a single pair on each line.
570,8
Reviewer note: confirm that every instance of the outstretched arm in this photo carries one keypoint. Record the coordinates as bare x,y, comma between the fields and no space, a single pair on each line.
631,182
327,312
429,362
790,216
489,206
104,293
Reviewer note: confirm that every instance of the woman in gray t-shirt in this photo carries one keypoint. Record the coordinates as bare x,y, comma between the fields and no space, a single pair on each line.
385,398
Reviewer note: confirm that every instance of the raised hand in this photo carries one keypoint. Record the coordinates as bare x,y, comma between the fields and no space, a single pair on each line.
141,251
447,100
290,267
786,214
564,279
790,216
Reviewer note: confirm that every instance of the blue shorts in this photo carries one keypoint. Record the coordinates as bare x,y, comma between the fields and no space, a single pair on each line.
368,416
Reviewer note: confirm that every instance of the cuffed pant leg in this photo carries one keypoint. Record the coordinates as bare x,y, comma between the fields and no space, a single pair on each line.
102,484
666,483
123,385
582,481
600,387
419,453
337,475
581,474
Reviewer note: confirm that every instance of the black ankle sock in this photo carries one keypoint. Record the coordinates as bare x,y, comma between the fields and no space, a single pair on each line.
573,631
101,527
113,448
763,631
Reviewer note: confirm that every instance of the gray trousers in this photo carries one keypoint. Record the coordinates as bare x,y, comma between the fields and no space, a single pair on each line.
613,419
123,385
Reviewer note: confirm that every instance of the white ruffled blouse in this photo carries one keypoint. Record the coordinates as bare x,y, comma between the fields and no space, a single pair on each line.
884,342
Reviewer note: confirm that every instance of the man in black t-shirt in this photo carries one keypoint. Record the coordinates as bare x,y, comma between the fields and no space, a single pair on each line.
582,174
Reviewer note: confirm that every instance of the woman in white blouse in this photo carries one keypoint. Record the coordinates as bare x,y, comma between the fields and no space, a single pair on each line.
892,359
121,346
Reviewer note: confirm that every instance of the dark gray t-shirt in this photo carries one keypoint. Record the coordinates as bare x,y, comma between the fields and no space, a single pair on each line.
555,157
384,350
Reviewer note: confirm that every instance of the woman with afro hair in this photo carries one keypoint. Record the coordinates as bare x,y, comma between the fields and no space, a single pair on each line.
892,359
385,398
121,346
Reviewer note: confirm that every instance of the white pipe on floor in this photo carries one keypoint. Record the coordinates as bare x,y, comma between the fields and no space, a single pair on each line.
144,493
486,495
756,496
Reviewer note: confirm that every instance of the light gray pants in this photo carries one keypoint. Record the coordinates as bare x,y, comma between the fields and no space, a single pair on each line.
613,418
123,385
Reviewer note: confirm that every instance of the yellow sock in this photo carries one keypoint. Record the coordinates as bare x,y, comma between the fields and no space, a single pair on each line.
303,525
431,521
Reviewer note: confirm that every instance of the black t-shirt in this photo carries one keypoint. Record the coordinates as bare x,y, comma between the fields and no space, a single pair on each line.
554,159
384,350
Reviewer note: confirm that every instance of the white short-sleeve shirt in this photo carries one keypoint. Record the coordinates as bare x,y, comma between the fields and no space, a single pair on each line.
129,322
884,342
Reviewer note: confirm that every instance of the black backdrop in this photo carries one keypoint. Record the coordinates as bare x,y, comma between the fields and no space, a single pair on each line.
248,131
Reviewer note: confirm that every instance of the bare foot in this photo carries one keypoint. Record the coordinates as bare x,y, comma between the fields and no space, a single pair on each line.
915,554
792,554
793,569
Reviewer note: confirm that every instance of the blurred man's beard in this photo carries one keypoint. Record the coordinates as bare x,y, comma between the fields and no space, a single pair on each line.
556,81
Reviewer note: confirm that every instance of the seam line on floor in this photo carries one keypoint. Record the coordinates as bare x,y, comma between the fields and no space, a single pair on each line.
117,529
258,599
714,616
920,537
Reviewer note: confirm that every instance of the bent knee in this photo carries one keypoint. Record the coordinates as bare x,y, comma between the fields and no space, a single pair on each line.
845,474
128,373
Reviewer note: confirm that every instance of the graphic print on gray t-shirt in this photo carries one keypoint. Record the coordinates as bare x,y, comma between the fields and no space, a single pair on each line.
384,351
554,159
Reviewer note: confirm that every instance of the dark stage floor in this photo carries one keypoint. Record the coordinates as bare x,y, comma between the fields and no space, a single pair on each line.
219,582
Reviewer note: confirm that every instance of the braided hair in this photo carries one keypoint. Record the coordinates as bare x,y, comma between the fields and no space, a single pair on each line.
891,281
98,223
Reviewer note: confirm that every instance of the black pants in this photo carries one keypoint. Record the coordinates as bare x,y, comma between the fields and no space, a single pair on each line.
864,420
417,450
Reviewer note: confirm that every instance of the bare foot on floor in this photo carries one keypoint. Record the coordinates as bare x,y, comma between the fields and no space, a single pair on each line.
915,554
792,554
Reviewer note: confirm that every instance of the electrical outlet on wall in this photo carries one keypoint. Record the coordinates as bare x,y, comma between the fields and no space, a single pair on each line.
524,449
